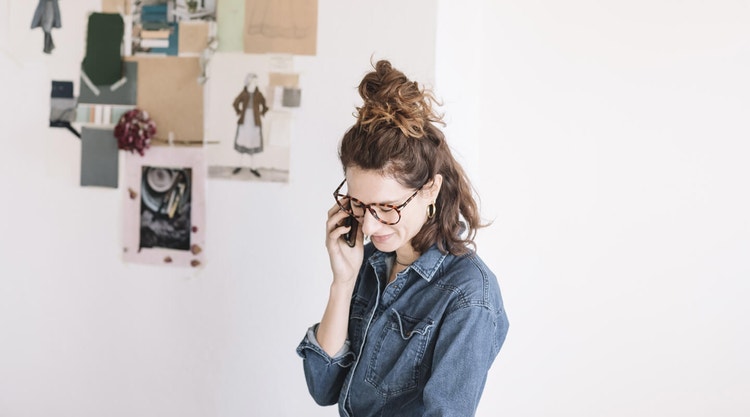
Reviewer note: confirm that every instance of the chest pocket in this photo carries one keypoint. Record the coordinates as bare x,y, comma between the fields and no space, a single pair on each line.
396,361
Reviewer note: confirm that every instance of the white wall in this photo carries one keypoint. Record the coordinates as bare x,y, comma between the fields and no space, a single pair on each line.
613,155
608,141
82,334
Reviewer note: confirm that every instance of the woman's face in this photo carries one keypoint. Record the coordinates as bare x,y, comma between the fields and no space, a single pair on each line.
372,187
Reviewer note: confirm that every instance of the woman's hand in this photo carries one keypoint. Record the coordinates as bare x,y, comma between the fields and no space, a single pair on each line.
345,261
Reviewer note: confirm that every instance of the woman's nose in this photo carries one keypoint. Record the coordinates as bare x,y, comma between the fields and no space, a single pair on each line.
370,224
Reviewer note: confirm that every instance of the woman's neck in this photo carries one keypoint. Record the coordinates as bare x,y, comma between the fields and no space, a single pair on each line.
402,259
405,256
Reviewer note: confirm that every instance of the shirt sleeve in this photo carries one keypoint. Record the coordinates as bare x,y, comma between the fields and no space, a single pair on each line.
470,339
324,374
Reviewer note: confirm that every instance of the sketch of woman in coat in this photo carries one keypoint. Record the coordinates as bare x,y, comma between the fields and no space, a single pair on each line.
250,107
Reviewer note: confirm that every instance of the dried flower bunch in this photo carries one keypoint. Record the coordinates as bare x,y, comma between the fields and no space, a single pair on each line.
134,131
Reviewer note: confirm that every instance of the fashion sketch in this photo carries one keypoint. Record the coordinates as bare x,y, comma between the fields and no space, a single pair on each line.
278,18
250,108
47,16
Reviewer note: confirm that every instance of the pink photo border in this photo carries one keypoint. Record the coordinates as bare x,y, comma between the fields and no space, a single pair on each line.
168,157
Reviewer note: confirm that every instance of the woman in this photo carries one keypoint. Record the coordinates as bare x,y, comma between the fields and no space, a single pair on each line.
414,318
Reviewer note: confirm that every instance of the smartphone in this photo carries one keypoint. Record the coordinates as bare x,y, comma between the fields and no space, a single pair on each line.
350,237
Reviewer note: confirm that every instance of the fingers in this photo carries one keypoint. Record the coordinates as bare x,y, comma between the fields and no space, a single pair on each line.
335,217
335,208
334,227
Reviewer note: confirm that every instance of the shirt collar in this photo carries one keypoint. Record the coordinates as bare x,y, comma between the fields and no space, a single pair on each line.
426,265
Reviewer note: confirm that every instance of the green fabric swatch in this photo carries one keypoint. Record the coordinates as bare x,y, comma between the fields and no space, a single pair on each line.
103,60
230,20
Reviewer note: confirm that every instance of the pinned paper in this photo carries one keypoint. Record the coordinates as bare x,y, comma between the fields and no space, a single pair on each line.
169,91
277,82
193,37
116,6
164,207
283,63
280,129
230,19
273,26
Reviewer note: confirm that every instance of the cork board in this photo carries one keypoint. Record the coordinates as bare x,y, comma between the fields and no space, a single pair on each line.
169,91
193,37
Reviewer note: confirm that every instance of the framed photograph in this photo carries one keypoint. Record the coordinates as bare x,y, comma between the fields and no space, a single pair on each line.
164,213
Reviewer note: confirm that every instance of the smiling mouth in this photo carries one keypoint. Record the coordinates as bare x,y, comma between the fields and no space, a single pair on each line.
381,238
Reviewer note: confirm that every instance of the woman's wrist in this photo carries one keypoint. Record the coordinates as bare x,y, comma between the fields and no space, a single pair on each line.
343,285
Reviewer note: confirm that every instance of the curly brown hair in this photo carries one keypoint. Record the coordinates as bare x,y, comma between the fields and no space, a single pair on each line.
396,134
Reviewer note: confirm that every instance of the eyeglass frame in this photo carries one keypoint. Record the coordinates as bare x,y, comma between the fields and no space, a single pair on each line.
398,208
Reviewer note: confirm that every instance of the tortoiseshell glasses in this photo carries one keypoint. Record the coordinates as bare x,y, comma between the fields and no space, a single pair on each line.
389,214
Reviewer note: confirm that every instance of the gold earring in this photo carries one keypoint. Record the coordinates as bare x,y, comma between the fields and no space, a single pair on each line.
431,209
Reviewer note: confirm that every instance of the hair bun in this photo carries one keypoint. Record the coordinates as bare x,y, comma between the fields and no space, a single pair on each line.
390,98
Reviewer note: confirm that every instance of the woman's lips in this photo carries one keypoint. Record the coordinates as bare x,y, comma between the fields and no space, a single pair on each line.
380,239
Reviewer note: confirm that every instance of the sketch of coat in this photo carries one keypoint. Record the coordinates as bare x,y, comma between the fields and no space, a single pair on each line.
249,136
47,16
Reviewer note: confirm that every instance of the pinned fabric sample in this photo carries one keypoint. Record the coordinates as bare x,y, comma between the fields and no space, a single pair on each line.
124,92
47,16
62,106
101,114
292,97
62,102
103,62
99,163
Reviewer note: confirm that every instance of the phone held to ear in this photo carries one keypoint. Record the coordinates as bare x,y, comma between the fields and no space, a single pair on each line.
350,237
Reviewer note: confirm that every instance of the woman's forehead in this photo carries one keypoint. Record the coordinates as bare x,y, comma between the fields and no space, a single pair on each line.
373,186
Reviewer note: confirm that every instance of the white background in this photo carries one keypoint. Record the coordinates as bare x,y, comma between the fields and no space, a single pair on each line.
608,141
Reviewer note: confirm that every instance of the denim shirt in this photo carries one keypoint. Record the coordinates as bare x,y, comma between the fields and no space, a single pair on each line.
419,346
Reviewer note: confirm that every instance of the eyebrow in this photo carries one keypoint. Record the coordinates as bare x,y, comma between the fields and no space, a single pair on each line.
392,203
387,203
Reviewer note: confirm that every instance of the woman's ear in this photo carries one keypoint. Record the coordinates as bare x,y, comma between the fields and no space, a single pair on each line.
433,187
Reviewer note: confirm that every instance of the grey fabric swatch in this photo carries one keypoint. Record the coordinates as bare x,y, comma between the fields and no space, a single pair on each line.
99,159
291,97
